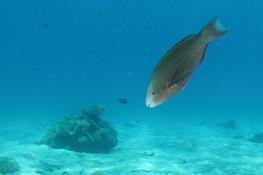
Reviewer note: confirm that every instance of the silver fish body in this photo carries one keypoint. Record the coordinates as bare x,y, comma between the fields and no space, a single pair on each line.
176,67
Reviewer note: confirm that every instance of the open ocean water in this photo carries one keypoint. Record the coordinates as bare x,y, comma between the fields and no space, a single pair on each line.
57,57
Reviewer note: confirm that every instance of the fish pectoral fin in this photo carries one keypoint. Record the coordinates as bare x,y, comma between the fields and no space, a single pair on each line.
177,78
179,85
172,86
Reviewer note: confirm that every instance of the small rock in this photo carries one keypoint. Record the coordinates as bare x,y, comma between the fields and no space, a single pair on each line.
29,156
64,173
98,173
48,167
8,165
40,172
238,137
230,124
258,138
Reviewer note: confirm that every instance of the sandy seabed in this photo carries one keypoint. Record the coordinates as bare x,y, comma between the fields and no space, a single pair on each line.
145,149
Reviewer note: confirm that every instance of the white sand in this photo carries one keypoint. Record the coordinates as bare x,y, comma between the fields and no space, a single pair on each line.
145,149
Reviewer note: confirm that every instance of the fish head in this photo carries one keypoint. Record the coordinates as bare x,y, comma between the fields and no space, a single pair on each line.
158,94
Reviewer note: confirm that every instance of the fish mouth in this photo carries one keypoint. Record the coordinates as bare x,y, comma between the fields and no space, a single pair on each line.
150,104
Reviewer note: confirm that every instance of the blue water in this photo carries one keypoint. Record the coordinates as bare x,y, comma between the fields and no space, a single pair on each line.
58,56
66,54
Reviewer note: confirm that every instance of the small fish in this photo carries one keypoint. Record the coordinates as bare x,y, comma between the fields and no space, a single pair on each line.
40,69
45,25
123,100
177,65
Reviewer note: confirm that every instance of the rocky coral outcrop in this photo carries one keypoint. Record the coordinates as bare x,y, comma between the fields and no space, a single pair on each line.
98,173
86,132
257,138
8,165
230,124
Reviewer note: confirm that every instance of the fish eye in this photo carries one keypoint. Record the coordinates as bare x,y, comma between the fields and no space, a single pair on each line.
153,93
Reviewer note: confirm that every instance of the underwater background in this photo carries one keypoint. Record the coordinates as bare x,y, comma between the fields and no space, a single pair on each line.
60,56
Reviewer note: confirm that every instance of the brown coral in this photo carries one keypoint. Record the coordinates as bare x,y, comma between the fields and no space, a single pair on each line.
86,132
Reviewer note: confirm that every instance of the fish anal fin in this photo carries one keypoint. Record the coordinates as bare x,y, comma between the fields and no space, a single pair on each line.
203,56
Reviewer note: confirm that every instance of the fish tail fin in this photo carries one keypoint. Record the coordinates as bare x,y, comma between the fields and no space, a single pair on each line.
213,29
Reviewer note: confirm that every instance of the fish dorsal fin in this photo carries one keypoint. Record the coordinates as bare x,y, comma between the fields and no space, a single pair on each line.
185,39
203,56
176,45
179,43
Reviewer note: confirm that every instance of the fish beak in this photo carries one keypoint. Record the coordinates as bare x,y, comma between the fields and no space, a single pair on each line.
150,104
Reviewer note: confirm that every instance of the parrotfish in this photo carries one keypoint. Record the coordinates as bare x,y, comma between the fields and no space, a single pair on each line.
176,67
